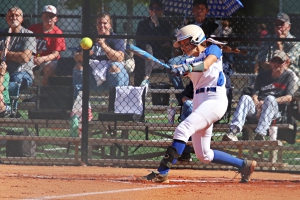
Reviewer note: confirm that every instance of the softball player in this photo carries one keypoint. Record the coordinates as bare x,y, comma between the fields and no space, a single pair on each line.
210,103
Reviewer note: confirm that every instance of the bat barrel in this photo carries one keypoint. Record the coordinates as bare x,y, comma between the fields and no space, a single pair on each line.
145,55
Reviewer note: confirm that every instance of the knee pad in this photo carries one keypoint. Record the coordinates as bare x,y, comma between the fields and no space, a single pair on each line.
171,154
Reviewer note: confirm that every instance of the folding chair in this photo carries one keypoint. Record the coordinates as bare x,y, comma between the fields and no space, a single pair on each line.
120,109
126,103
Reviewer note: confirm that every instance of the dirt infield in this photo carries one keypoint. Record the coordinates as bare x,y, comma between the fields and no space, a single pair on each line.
59,182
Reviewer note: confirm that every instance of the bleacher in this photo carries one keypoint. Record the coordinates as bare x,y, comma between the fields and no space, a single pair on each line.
133,142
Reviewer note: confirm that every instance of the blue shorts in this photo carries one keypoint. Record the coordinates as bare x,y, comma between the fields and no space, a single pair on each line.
112,79
21,77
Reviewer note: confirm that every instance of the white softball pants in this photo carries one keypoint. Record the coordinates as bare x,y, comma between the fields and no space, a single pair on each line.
246,107
208,108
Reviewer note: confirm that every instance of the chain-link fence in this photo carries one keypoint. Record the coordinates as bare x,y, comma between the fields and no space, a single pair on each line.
64,105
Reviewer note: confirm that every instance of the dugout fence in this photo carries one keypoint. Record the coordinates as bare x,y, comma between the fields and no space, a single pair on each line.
41,131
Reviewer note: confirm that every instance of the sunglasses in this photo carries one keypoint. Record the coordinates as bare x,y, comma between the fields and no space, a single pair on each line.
155,8
278,23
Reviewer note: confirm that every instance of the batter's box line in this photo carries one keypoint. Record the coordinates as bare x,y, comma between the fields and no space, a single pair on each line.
101,193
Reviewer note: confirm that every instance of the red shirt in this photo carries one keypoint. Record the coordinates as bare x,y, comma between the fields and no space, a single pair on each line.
46,45
263,33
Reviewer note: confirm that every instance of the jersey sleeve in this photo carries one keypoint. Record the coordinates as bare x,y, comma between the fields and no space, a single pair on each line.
30,43
214,50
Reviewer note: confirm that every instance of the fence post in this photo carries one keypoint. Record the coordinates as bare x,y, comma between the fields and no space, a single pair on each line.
85,86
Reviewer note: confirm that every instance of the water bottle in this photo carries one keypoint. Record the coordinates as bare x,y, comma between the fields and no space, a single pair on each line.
74,125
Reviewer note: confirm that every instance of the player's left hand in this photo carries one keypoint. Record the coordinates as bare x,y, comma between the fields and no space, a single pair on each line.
178,70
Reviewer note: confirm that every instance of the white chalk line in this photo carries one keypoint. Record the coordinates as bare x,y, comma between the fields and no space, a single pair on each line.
104,192
200,181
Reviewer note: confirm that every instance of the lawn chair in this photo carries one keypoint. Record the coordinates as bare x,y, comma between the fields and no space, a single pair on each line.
123,102
126,103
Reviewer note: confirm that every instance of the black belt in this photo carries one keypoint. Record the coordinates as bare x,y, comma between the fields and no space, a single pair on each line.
206,89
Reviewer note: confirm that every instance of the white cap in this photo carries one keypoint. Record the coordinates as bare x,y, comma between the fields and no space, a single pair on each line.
50,9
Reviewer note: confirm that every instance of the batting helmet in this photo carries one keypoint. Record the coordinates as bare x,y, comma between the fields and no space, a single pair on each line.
190,31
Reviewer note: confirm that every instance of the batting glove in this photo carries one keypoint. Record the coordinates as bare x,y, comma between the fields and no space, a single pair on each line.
180,71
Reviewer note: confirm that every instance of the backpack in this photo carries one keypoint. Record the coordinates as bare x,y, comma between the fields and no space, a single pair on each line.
20,148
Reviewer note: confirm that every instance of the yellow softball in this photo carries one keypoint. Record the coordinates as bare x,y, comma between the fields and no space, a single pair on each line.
86,43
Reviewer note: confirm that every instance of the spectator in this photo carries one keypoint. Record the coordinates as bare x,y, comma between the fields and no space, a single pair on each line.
272,88
4,96
262,31
106,60
226,29
19,58
154,25
200,10
282,26
48,48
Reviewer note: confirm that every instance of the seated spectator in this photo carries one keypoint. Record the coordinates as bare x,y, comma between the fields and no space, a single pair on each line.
272,88
282,26
226,29
106,60
48,48
154,25
19,58
262,31
4,95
